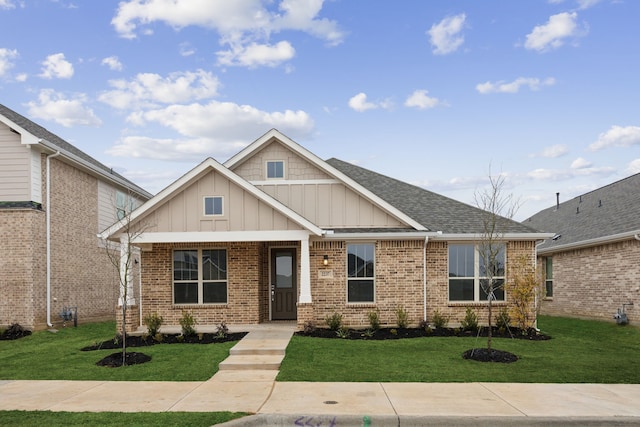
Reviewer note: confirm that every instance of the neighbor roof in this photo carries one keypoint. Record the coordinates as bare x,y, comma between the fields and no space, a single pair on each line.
434,211
612,211
59,143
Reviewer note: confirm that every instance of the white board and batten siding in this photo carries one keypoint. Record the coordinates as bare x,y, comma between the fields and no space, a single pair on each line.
20,169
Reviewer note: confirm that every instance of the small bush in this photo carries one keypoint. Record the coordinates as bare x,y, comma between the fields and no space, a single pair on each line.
368,333
440,320
222,330
394,331
374,319
470,321
342,332
503,320
334,322
188,323
402,317
153,323
309,327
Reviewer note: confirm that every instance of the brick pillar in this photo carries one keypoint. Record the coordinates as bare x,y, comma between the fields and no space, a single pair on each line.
133,318
305,314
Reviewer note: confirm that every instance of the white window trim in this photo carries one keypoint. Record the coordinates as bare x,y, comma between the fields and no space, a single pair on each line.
200,280
375,261
266,170
204,205
477,277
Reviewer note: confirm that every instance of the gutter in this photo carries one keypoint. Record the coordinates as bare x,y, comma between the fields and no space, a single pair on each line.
48,236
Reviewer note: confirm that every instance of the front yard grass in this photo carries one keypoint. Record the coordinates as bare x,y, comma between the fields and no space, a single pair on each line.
57,356
580,351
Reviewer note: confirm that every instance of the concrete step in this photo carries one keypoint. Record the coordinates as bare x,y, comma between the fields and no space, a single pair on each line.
248,351
251,362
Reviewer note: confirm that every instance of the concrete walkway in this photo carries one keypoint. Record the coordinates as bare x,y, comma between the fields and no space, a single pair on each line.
245,386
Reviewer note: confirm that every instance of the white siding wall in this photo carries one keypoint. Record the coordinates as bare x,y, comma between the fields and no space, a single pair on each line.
15,164
36,176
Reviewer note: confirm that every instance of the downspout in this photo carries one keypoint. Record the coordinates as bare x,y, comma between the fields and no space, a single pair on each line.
48,237
424,279
140,286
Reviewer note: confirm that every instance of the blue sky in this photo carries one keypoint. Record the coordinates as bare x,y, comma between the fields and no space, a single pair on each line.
437,93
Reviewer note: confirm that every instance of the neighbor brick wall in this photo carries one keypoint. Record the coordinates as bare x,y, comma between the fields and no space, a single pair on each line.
22,270
594,282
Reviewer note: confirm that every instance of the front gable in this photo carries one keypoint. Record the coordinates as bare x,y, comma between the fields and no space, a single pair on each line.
313,188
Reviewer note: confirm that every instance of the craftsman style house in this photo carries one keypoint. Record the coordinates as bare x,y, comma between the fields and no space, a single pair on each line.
54,199
276,233
592,264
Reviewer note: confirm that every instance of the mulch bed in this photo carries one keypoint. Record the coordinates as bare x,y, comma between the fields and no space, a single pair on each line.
145,341
400,333
114,360
14,332
486,355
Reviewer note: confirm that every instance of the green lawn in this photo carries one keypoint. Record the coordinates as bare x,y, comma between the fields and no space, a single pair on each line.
580,351
57,356
115,419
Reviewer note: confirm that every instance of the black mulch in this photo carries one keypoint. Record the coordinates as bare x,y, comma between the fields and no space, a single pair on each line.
14,332
399,333
114,360
486,355
145,341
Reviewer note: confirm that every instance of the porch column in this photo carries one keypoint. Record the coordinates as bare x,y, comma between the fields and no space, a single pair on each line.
305,272
125,276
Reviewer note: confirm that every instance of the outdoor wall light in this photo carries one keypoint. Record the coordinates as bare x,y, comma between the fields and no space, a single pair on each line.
325,260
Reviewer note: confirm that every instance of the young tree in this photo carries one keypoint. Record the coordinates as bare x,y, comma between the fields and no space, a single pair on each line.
526,289
121,255
498,210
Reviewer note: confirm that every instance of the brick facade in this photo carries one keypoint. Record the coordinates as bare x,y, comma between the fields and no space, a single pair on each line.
594,282
399,272
81,274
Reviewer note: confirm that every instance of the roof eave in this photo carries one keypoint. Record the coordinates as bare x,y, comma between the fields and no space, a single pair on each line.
591,242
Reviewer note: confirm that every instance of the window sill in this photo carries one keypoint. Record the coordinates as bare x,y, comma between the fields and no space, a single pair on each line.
362,304
475,303
196,305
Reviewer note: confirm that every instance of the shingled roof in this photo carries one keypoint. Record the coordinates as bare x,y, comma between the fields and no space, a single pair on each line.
609,211
42,133
434,211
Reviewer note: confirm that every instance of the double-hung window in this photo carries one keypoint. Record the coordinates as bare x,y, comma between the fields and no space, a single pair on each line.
360,273
471,273
200,276
548,278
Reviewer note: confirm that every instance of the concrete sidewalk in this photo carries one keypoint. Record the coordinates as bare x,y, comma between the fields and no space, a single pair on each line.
246,383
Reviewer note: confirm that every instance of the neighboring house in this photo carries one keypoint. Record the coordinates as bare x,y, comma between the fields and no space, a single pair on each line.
276,233
592,264
54,200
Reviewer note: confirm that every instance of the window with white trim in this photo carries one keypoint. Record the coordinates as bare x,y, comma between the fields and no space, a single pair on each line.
125,204
200,276
360,273
275,169
548,277
213,205
468,273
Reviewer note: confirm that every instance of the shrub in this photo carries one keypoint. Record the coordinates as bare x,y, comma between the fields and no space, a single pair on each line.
402,317
374,319
188,322
309,327
342,332
153,323
470,321
523,288
334,321
222,330
368,333
503,320
440,320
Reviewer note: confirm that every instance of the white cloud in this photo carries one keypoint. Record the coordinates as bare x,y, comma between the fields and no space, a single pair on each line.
581,169
67,112
254,55
553,151
219,128
585,4
6,57
420,99
581,163
113,63
244,25
149,89
514,86
445,36
6,4
360,104
553,34
617,136
55,66
634,167
186,49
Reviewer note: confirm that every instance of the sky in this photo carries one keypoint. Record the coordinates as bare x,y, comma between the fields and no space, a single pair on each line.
442,94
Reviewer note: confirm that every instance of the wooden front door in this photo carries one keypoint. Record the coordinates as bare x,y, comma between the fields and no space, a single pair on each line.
284,289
